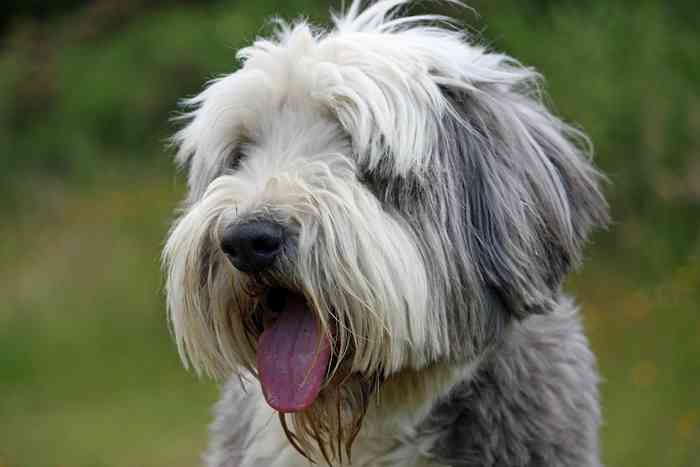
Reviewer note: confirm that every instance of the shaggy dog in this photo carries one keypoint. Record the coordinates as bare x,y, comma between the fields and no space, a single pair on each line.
379,220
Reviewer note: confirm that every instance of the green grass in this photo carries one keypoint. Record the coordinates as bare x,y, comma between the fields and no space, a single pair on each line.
89,372
89,375
648,343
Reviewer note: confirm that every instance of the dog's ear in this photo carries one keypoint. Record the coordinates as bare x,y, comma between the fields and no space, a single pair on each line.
530,190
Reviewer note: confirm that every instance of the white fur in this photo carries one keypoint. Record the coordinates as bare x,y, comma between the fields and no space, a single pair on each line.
373,78
312,184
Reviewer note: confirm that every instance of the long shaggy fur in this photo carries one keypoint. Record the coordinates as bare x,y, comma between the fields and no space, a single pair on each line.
435,206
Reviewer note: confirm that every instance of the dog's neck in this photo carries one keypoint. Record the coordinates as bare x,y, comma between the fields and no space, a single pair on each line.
390,433
503,407
406,397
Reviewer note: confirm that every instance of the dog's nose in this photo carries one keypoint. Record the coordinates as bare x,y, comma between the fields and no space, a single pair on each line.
253,246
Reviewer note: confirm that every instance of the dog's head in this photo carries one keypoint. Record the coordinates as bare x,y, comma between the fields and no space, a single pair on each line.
377,198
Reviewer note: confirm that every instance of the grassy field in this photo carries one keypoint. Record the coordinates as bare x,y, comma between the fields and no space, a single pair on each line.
89,375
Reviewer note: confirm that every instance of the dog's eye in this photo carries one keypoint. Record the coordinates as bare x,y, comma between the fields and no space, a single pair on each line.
238,153
235,158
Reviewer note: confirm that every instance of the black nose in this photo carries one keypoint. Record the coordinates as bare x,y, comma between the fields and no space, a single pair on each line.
253,246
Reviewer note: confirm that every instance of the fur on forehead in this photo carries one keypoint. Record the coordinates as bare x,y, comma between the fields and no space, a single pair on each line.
372,67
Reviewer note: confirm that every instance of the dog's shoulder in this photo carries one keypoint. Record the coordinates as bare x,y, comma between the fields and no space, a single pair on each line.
533,402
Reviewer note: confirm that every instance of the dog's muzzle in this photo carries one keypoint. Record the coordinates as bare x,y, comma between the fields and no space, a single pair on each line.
292,352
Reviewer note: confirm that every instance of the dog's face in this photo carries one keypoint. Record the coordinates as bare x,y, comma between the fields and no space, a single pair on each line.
375,199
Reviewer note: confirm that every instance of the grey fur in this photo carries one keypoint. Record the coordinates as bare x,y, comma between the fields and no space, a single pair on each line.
533,403
511,195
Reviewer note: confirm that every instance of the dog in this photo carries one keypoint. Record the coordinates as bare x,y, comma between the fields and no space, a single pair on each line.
379,219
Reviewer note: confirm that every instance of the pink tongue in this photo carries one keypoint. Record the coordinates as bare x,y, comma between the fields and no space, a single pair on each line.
292,359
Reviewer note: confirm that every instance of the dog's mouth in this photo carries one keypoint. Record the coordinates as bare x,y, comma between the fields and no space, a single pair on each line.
293,353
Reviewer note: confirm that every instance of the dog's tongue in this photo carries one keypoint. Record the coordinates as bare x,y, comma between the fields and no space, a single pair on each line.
292,358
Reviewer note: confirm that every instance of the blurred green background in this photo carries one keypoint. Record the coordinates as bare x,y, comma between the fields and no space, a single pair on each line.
88,373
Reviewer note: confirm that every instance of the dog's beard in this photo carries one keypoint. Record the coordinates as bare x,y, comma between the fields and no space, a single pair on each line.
327,424
330,425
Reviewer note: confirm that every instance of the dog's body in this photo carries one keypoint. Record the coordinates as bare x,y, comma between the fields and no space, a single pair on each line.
379,222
